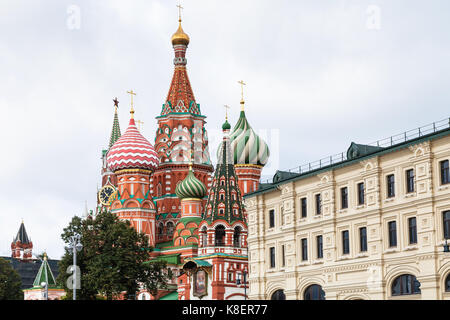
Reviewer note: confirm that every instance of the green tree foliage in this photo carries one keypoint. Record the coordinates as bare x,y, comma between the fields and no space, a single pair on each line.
112,259
10,282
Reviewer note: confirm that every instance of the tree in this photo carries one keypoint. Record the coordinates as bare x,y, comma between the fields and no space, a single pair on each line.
112,259
10,282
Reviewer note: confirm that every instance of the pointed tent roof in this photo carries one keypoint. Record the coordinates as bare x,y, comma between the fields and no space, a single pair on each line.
44,274
22,235
180,98
115,132
225,183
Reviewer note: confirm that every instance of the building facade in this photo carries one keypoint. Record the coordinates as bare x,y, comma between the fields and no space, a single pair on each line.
372,226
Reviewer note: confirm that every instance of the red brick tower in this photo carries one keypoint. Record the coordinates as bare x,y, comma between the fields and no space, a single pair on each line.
132,159
181,128
22,247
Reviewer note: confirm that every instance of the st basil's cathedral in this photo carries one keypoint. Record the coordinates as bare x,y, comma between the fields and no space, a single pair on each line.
193,215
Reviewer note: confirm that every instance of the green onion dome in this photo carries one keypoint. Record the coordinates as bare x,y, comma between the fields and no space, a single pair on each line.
226,125
246,146
190,187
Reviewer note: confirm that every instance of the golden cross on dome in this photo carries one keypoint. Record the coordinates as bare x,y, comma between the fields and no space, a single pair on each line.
242,83
179,11
139,122
132,94
226,111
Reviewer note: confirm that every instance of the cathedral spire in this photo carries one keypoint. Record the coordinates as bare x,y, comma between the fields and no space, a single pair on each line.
225,200
180,98
115,132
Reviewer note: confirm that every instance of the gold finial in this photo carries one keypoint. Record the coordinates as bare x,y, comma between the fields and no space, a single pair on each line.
179,12
189,152
116,103
226,111
139,122
242,83
180,37
45,255
132,109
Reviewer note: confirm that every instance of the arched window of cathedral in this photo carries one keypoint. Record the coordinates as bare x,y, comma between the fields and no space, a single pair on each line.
278,295
222,182
222,197
204,237
314,292
159,190
220,236
160,230
237,237
447,283
404,285
170,228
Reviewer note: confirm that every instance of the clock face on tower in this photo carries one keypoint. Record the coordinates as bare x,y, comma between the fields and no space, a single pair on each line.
106,195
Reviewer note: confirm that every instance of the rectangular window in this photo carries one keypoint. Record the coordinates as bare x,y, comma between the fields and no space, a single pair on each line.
319,247
410,181
304,249
344,198
271,218
360,193
318,203
304,208
345,242
392,227
272,257
363,239
445,175
390,186
412,226
446,216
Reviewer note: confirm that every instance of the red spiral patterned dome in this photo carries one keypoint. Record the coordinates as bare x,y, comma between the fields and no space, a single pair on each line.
132,151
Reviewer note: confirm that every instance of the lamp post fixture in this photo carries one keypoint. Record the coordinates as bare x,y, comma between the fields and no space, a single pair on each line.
446,246
45,286
238,282
75,245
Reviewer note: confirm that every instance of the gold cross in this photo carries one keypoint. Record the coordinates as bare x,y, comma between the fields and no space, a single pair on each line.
242,83
139,122
132,94
179,12
226,111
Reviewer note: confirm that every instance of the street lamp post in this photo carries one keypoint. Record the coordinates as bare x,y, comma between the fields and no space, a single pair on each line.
45,286
238,282
75,245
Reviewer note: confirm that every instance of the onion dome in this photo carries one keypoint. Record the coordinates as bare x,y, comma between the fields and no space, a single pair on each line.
247,147
132,151
190,187
180,37
226,125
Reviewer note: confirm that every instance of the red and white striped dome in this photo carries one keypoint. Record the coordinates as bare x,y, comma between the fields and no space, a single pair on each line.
132,151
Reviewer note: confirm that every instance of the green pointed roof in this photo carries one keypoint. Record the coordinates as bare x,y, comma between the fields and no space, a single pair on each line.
44,274
224,185
115,132
190,187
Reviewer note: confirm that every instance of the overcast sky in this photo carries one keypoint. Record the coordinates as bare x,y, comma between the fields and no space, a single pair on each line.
319,74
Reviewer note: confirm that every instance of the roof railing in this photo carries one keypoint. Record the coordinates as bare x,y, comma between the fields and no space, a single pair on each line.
383,143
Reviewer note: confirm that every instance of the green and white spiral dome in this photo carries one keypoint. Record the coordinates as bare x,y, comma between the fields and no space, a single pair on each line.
246,146
190,187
